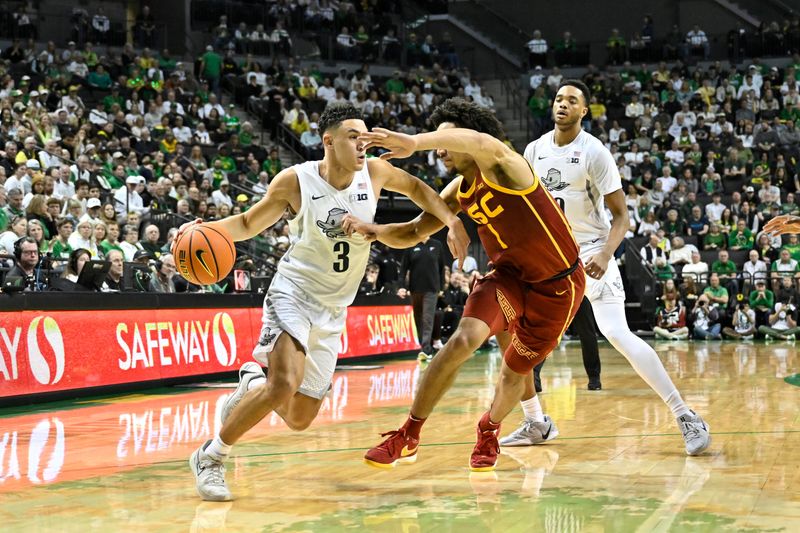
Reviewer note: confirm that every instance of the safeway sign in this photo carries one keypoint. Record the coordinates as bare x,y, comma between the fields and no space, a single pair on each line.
48,351
65,350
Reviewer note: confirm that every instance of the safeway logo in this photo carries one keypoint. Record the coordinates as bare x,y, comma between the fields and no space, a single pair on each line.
40,367
223,324
44,346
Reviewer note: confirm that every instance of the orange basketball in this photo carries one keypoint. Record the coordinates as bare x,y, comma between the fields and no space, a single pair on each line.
204,255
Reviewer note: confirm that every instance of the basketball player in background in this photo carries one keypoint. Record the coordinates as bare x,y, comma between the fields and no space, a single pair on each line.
582,176
317,278
532,292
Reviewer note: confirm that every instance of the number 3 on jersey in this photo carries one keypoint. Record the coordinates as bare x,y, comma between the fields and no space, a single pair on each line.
342,263
482,214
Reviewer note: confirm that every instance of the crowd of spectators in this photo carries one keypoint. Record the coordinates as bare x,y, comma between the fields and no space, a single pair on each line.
769,39
288,99
707,157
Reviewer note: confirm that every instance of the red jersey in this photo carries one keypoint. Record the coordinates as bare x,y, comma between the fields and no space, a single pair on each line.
522,231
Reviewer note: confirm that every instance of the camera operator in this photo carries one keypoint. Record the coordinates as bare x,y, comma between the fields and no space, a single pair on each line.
781,324
744,322
27,265
706,319
787,294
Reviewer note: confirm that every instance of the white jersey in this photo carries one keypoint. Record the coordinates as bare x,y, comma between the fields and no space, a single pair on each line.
578,176
323,261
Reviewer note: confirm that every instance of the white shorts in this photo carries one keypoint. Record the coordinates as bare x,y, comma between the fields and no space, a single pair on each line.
609,288
318,328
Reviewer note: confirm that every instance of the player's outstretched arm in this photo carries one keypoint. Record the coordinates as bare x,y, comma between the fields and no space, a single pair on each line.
783,225
283,192
405,234
394,179
489,153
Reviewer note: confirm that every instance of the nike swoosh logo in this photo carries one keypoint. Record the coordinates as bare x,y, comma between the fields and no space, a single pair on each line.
545,435
318,197
562,292
405,452
542,157
199,255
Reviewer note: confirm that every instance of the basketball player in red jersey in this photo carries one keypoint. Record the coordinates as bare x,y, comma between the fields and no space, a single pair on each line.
533,291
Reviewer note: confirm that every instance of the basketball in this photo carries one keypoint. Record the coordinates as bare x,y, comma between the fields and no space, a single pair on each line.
204,255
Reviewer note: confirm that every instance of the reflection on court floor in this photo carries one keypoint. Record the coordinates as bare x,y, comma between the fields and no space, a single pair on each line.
119,463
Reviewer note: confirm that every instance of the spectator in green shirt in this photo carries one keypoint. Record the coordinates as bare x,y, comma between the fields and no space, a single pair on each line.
714,239
111,242
616,47
273,164
726,270
113,98
762,300
59,247
789,207
662,270
395,84
211,67
539,104
741,238
785,266
716,293
99,78
794,248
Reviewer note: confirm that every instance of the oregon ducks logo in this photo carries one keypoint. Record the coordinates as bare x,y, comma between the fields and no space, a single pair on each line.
332,226
553,180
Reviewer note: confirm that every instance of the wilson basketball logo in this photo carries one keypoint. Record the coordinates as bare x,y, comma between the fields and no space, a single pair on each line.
40,362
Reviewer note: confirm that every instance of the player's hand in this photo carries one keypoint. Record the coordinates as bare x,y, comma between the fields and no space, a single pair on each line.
783,225
181,230
399,145
351,224
458,241
596,266
402,293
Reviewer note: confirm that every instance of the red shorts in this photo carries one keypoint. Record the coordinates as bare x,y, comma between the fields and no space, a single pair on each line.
535,314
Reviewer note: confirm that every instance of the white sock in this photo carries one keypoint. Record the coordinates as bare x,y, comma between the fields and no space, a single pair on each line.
610,317
533,409
217,449
256,382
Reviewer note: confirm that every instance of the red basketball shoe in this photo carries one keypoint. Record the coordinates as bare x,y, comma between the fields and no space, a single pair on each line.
484,454
398,448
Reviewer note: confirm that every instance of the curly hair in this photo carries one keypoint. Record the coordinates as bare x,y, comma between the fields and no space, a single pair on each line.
470,115
335,115
578,84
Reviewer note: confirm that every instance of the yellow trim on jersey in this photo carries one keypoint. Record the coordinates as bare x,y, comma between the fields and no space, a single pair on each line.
497,236
469,191
513,192
547,231
571,305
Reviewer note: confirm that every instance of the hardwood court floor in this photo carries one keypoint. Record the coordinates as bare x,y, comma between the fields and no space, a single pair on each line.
120,463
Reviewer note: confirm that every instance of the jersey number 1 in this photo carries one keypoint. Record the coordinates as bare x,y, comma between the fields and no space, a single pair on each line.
342,263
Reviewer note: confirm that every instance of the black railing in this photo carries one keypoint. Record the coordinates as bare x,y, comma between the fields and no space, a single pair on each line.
641,280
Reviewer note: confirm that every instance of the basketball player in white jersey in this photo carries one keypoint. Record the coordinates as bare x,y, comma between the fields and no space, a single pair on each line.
582,175
317,278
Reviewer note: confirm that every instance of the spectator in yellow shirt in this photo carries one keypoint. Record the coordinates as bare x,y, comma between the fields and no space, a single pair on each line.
300,125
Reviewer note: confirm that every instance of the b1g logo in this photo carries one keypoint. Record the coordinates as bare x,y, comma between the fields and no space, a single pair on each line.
45,350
